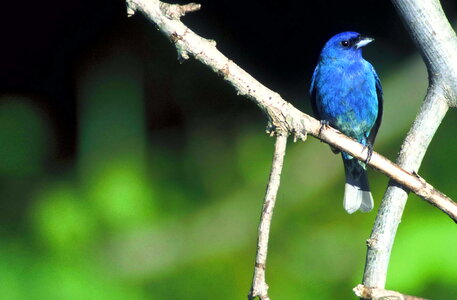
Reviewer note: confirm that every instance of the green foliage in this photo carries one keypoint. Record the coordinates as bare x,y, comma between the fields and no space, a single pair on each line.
173,214
61,221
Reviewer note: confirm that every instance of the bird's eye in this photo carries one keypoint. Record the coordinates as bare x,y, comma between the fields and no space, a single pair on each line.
345,43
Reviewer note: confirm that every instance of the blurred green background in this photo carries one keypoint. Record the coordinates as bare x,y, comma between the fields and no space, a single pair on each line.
126,175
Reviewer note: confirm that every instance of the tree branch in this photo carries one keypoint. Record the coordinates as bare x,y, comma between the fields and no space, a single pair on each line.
437,42
281,114
259,286
380,294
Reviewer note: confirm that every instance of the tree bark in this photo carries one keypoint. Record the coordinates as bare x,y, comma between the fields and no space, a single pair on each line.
437,42
259,287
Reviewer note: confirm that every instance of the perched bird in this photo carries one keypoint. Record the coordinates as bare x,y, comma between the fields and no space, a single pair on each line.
346,94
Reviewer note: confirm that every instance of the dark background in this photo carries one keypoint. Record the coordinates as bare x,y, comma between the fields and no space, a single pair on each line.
125,174
277,42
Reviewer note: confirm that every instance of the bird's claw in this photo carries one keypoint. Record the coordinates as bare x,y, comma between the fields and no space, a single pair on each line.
369,148
324,123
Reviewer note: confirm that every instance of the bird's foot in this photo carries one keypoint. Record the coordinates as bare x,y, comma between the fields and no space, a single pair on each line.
369,148
324,123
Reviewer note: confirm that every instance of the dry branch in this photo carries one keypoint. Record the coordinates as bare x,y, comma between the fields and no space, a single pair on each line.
380,294
259,286
437,42
281,114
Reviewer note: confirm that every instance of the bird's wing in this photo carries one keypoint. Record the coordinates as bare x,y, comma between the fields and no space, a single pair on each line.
374,130
312,92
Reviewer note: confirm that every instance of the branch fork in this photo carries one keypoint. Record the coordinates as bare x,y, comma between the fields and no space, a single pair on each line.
281,114
381,294
437,42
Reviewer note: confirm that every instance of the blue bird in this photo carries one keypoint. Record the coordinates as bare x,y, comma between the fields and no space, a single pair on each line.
346,93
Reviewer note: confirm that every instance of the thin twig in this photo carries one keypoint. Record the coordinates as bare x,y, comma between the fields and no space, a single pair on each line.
434,37
259,286
380,294
281,113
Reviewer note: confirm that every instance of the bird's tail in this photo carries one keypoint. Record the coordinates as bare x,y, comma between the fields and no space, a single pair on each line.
357,193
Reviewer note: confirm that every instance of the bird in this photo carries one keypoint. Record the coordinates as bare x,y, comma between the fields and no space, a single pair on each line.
346,93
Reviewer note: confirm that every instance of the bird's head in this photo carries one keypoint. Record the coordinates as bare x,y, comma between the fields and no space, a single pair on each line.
345,45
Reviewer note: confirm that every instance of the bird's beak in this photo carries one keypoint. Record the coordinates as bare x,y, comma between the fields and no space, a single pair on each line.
363,41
